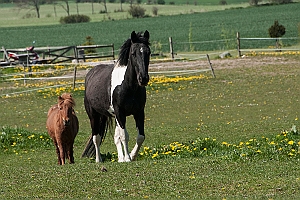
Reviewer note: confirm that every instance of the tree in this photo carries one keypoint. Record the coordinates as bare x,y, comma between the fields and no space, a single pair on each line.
281,1
137,11
253,2
122,1
67,7
29,4
276,31
104,4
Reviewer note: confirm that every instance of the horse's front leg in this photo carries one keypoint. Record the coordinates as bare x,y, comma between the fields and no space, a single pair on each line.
121,139
62,152
57,153
139,120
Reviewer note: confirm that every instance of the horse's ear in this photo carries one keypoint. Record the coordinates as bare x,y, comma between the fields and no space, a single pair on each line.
147,34
134,37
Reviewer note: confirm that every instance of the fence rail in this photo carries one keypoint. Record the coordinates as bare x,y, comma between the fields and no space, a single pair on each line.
54,55
70,77
238,44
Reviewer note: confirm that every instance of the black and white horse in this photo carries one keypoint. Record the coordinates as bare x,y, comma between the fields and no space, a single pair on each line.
119,91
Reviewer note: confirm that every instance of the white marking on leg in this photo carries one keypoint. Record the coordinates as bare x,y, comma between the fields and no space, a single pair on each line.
124,139
139,141
121,139
118,144
117,77
96,140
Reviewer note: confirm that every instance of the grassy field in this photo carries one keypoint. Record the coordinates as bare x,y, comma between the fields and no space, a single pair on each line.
194,27
24,17
243,104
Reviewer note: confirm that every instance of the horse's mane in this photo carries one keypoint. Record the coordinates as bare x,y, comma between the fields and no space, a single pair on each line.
67,99
125,48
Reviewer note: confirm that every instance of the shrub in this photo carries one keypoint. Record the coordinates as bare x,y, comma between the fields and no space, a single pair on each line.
155,11
253,2
281,1
137,11
74,19
161,2
223,2
276,30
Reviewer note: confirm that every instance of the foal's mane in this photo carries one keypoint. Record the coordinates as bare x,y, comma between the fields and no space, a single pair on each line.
125,48
67,99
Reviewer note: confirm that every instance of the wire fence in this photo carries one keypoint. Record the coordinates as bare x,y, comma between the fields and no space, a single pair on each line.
67,74
71,77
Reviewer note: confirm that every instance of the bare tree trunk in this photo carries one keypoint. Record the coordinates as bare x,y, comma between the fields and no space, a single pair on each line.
54,7
28,4
36,4
67,8
77,8
93,7
105,8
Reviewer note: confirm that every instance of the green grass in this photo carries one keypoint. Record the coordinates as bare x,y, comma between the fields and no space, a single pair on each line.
12,16
241,104
206,26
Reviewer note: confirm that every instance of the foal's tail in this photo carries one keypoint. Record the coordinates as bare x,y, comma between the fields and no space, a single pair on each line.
90,150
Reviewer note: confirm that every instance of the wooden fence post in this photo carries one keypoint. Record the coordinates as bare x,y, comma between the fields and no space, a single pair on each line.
113,51
211,68
74,78
171,48
75,67
238,43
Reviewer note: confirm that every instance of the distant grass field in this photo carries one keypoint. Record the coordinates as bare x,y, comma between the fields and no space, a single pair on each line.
243,104
193,27
12,16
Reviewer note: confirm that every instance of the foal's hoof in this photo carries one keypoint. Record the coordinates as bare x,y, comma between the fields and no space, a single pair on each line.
103,169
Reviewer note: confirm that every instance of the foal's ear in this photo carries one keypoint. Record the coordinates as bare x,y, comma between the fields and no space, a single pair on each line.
147,34
60,99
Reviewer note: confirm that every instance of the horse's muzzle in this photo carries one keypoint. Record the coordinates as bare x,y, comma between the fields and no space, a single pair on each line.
143,80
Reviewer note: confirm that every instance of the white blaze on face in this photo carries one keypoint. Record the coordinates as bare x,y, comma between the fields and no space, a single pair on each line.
117,77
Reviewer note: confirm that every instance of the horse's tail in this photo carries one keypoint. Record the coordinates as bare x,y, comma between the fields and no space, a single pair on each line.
90,150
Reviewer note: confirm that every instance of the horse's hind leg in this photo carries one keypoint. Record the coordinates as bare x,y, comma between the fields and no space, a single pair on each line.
98,125
139,120
97,140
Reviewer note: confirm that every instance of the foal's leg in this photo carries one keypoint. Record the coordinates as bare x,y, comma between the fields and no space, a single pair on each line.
139,120
57,153
62,153
70,153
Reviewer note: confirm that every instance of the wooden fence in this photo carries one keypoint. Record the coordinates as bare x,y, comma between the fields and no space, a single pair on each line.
54,55
238,44
273,44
